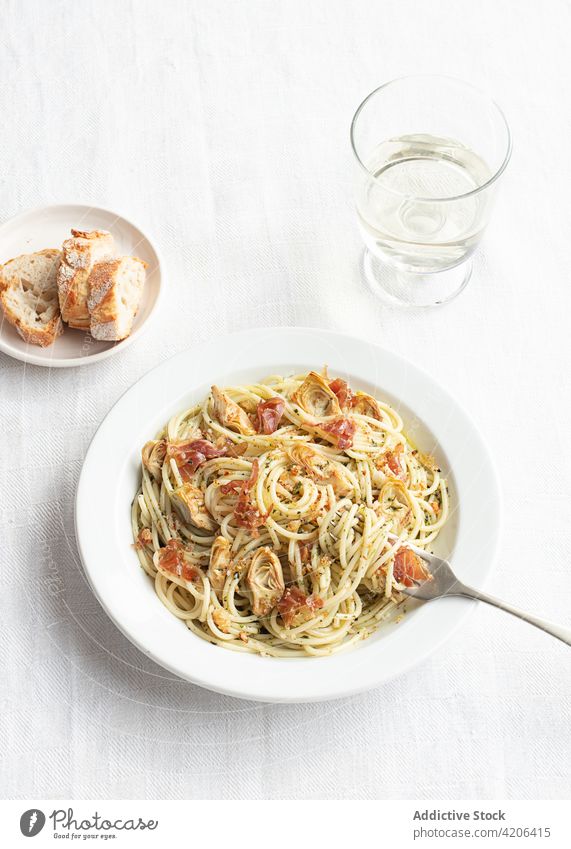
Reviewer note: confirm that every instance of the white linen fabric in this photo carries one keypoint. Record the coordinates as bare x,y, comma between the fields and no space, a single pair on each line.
223,128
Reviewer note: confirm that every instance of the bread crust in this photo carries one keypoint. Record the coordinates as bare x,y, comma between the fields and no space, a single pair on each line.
107,322
42,336
79,254
100,283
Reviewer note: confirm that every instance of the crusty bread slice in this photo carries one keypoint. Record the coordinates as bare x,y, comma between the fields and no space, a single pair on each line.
79,255
29,297
115,294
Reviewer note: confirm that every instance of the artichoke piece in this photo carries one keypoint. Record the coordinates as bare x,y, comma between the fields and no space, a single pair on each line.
189,503
320,468
315,397
265,581
219,566
153,456
367,406
230,414
395,504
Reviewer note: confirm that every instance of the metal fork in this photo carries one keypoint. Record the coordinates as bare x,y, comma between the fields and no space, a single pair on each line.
444,582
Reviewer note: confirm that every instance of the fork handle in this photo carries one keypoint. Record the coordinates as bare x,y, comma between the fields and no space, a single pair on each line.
559,631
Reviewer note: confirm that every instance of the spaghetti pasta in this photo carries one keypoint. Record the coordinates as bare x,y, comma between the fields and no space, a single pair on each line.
273,517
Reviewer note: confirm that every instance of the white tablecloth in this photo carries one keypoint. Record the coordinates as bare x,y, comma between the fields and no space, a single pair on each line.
223,128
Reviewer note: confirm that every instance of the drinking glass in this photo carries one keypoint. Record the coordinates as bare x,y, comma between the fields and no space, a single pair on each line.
429,151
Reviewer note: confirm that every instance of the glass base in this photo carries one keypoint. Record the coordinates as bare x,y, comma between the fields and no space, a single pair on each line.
407,289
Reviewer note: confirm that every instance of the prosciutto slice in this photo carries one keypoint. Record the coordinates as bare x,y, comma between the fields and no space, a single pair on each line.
245,513
172,559
295,606
342,431
393,460
343,391
269,414
194,452
409,568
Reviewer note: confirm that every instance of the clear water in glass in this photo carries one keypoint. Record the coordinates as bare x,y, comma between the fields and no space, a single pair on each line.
418,212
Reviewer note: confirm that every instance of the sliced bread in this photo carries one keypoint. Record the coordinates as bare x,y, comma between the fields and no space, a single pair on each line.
115,294
79,255
29,296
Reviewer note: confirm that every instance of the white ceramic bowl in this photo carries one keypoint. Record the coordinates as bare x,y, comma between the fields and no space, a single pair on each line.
47,227
110,479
